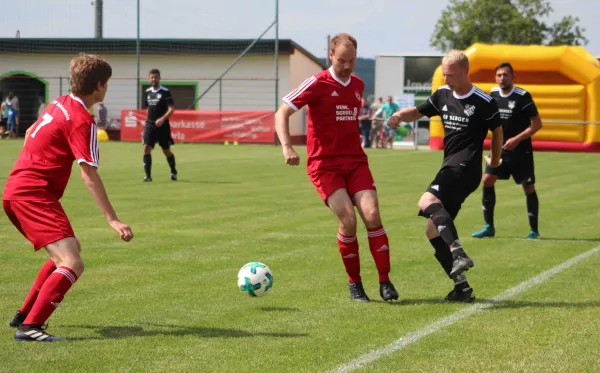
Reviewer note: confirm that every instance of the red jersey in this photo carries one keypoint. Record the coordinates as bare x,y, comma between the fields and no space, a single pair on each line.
333,136
65,132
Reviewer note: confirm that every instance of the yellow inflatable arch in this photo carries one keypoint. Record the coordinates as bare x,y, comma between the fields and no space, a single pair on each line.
564,81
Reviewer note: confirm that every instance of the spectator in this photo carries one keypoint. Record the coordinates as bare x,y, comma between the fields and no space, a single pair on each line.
378,119
365,123
102,119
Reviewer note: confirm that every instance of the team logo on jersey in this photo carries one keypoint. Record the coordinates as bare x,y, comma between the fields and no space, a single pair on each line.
357,95
445,116
511,104
469,110
158,95
148,97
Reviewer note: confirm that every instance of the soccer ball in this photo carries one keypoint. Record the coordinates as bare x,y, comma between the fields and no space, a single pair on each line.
255,278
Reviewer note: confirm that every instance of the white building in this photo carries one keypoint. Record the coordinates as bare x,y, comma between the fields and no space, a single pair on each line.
33,68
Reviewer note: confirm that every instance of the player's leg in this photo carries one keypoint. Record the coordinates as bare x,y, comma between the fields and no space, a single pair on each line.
447,186
341,205
69,267
42,276
525,175
165,143
149,138
462,291
361,187
45,224
488,203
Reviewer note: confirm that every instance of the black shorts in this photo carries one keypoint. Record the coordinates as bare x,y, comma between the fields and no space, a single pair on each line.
160,135
517,165
452,185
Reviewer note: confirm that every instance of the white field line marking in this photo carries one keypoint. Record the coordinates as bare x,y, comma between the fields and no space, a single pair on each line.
447,321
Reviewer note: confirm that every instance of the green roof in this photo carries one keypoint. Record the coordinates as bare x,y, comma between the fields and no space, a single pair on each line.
149,46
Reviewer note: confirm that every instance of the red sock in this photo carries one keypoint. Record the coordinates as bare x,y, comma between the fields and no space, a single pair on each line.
380,249
348,246
51,294
42,276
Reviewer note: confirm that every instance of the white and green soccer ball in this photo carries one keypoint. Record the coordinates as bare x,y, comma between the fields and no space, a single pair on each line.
255,279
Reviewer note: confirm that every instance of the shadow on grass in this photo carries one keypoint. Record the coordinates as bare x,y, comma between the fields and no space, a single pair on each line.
497,304
151,330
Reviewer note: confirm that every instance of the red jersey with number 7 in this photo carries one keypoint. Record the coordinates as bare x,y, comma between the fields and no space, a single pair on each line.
65,132
333,137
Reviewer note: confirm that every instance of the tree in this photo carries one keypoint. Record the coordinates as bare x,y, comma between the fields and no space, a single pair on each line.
465,22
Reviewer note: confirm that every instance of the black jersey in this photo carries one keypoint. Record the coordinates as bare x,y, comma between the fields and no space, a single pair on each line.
157,101
466,121
516,110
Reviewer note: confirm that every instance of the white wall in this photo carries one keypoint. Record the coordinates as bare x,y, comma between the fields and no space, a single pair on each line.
241,94
389,76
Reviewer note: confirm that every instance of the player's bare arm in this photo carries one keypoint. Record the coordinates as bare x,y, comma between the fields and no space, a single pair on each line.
405,115
282,127
160,121
536,125
93,182
494,159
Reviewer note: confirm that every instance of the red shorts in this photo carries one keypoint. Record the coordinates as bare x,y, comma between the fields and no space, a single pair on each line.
40,222
353,177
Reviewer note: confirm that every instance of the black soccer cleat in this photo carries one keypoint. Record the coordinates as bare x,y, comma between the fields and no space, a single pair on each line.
147,179
35,334
460,295
357,292
460,265
387,291
17,320
174,177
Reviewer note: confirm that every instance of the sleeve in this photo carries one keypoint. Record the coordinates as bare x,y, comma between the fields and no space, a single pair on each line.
84,144
429,107
528,106
303,95
491,116
169,98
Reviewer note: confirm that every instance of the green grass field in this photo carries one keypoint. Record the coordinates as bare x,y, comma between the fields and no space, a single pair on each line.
168,300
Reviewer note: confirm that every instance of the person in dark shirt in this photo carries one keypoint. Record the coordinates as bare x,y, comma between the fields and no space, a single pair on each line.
157,129
520,120
467,114
365,123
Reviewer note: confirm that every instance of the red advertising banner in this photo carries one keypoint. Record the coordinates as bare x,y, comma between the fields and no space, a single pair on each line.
206,126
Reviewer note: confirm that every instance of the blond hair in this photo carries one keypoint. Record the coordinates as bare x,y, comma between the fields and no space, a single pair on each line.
343,38
458,57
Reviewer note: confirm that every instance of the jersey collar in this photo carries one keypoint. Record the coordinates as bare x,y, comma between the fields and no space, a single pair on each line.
158,89
338,79
509,93
466,95
79,100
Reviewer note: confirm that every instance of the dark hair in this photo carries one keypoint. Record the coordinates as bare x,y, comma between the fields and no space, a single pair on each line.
507,65
87,71
154,71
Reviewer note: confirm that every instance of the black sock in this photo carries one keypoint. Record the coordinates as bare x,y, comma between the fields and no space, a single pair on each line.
533,208
489,202
171,161
442,254
460,282
148,165
445,226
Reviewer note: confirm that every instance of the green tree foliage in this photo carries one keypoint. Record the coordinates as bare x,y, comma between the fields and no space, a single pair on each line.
465,22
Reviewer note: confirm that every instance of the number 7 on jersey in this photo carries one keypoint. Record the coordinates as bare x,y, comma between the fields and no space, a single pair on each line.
46,119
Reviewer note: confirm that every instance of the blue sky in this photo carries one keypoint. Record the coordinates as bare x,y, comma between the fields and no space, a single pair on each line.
379,25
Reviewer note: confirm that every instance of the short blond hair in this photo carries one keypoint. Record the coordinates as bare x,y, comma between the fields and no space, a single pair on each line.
456,56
